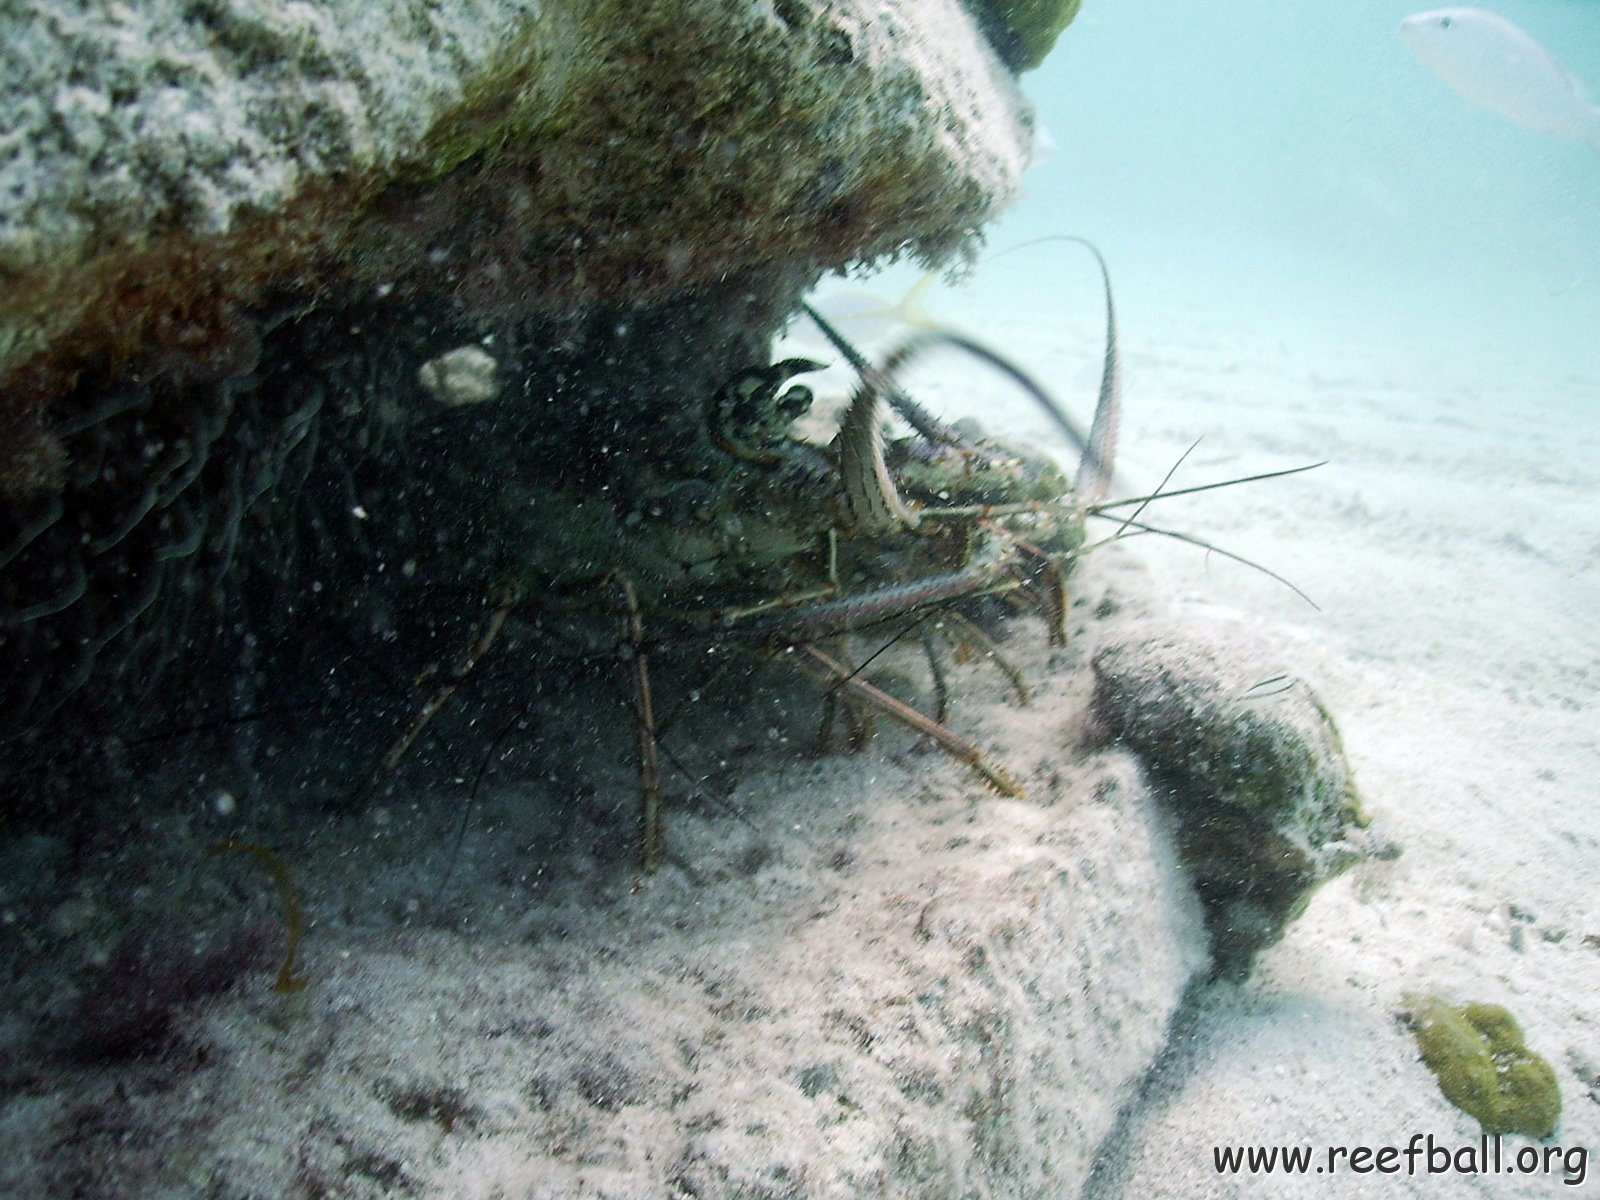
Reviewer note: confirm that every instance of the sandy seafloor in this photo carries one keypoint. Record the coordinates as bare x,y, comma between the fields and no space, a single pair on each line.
1452,544
1323,252
524,1016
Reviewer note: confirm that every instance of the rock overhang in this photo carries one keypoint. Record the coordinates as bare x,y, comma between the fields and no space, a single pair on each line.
168,163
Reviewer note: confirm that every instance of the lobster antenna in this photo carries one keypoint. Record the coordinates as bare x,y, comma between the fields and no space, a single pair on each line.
916,416
1190,539
1102,510
927,340
1100,451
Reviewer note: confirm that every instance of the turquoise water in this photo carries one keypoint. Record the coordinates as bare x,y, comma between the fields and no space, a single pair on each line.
1293,168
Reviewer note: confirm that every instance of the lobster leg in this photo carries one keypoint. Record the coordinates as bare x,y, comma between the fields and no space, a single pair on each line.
645,722
833,673
967,630
505,597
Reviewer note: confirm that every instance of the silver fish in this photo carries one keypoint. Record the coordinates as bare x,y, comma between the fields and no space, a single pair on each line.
1499,67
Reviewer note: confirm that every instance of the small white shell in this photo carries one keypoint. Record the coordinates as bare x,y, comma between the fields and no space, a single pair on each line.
465,375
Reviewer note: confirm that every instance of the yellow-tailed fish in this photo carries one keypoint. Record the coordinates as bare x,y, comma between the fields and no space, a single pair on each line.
862,317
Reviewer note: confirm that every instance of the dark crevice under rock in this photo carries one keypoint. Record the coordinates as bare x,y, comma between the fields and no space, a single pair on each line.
213,537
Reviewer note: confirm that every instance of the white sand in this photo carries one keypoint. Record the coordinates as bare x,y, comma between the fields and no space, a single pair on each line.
1452,542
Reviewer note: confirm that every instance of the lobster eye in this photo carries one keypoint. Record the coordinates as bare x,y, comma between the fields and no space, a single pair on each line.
795,402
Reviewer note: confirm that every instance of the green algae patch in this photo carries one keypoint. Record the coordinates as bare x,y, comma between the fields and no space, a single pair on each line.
1485,1068
1032,27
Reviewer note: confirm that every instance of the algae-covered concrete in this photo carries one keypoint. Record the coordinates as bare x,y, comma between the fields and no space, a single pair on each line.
1252,766
162,161
313,315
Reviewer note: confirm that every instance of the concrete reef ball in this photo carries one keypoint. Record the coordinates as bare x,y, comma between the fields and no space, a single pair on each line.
1246,758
